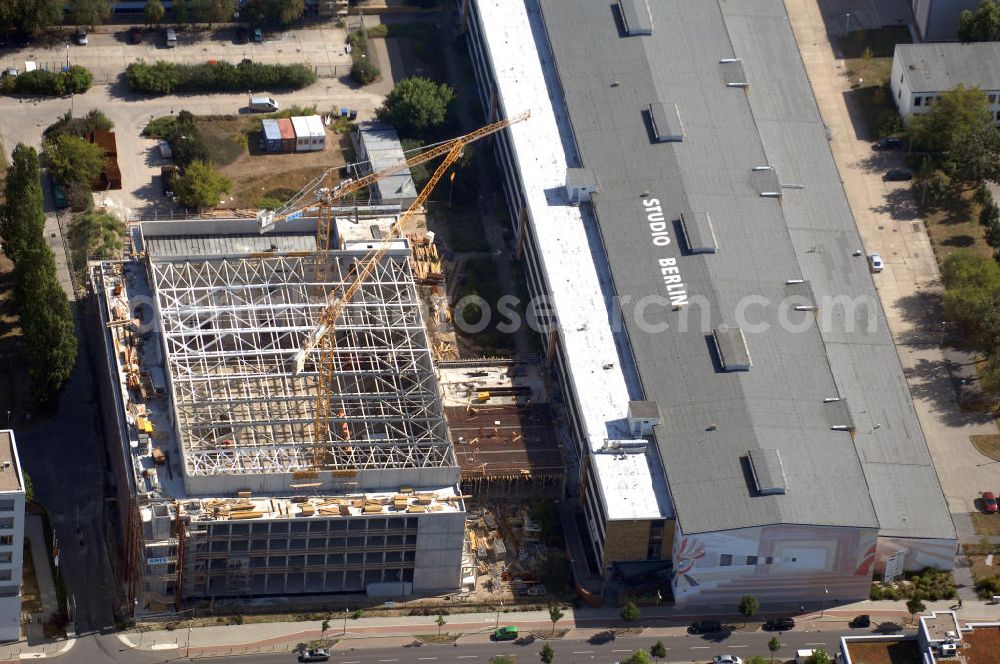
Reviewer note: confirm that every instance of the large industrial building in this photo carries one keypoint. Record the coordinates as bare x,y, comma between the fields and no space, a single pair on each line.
737,404
223,490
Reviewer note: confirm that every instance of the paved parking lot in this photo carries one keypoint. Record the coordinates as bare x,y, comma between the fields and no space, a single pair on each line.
887,218
108,51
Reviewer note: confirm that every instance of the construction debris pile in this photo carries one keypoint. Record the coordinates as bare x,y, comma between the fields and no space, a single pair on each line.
508,552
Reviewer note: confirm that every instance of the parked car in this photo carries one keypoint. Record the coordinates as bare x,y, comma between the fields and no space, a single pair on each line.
135,35
705,627
888,143
242,35
171,36
990,502
779,624
9,71
263,104
727,659
80,37
875,263
898,175
314,655
258,34
863,620
59,196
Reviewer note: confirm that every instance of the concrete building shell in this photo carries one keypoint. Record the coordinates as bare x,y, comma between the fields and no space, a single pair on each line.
222,492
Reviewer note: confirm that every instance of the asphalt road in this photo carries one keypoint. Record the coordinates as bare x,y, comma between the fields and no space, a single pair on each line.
680,648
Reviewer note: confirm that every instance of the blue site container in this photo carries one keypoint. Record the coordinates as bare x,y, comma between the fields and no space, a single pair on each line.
270,136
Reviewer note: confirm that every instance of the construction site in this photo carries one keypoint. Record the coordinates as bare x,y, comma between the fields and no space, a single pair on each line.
283,426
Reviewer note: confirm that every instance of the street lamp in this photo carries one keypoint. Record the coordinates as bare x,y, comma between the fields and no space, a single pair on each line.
847,23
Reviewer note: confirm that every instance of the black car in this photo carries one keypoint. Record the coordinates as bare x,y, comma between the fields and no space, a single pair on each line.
242,35
898,175
135,35
779,624
861,621
888,143
705,627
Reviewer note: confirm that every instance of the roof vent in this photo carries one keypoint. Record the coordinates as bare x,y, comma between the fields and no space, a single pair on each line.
642,417
733,74
767,472
838,414
699,235
732,347
765,181
665,120
625,446
580,184
636,17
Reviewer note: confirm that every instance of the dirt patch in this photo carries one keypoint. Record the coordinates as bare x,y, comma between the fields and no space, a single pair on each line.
956,226
986,524
987,444
226,137
438,638
257,176
885,652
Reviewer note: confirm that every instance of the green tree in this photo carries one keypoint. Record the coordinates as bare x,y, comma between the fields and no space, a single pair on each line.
416,104
972,299
749,606
153,12
774,645
46,320
30,15
440,622
630,614
547,654
915,605
961,127
363,71
287,11
180,11
29,487
90,12
983,24
658,651
555,615
212,11
201,185
73,159
325,625
819,656
22,221
637,657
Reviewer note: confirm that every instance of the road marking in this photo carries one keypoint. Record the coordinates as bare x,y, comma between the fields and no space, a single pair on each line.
582,652
467,656
739,646
355,661
699,647
621,651
817,643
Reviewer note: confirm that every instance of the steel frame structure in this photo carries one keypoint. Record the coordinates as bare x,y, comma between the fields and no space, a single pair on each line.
232,328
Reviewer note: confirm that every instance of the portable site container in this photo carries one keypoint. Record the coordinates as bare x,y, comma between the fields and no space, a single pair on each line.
270,136
287,135
302,136
317,132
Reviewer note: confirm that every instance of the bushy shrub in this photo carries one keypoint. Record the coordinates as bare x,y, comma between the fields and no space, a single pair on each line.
73,81
183,135
162,78
364,72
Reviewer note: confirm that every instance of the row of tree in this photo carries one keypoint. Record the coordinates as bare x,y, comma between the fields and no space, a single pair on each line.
30,16
43,309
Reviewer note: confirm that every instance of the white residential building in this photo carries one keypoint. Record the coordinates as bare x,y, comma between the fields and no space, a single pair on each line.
11,537
923,72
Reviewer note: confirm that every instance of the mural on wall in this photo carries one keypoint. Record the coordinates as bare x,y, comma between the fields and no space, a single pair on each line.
779,562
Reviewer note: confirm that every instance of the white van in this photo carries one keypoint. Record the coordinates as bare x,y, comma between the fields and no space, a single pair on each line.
171,37
264,104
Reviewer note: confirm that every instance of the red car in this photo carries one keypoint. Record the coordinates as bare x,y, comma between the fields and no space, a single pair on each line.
990,502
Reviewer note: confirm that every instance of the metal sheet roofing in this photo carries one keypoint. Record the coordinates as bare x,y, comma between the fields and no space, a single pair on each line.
710,418
940,67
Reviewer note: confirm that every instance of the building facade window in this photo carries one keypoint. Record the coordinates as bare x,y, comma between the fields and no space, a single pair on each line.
6,540
6,505
655,540
725,560
917,101
751,560
6,557
993,97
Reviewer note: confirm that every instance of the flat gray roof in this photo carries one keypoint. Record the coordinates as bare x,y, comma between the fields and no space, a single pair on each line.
10,468
714,420
940,67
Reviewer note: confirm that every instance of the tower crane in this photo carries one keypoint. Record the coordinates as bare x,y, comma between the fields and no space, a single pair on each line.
321,340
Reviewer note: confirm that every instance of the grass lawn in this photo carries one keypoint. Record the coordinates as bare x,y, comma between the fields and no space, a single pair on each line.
988,444
226,137
986,524
868,65
956,226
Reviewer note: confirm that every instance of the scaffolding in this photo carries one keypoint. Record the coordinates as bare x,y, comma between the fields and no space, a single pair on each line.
232,327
